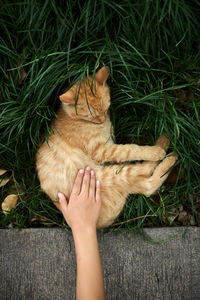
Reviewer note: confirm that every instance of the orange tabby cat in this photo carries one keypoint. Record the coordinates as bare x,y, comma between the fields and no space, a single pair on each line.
82,137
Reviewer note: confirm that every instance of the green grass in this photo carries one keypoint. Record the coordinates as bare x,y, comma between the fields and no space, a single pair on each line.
152,50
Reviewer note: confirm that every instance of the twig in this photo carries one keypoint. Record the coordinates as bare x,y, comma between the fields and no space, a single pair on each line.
133,219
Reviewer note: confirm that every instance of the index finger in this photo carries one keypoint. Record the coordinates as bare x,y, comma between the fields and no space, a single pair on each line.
78,183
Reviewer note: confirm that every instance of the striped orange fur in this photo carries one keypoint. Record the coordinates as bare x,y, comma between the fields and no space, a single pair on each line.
82,137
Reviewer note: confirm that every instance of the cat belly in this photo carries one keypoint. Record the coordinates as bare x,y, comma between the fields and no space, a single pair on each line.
57,166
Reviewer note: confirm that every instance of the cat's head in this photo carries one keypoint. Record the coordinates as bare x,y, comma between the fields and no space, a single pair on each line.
93,98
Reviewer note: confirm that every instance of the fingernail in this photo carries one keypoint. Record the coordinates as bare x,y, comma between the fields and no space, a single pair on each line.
92,172
59,195
88,168
81,171
98,182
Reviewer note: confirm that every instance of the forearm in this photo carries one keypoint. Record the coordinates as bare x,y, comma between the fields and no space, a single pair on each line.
90,283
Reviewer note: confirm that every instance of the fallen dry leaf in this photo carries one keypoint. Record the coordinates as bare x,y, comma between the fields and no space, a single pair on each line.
184,218
36,219
180,208
192,220
4,181
2,171
170,215
9,203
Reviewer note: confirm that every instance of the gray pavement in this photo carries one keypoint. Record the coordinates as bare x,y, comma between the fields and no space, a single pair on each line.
39,264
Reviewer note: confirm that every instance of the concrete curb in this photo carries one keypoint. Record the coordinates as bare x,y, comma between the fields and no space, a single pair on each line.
40,264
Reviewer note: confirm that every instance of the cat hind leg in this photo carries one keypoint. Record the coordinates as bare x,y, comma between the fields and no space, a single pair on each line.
163,142
160,174
147,167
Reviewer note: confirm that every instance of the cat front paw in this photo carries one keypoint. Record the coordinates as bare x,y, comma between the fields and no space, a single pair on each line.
157,153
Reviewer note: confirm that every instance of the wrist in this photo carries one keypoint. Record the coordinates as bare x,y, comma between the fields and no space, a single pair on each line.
84,232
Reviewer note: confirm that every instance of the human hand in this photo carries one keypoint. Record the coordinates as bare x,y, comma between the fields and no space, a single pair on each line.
83,209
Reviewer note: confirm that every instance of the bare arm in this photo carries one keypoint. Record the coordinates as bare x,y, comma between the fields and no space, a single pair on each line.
90,283
102,152
81,214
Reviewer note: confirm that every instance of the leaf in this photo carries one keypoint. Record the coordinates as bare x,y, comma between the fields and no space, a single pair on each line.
38,219
2,171
9,203
184,218
170,215
192,220
4,181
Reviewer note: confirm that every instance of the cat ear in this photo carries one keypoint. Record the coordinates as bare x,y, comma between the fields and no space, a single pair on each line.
67,97
102,75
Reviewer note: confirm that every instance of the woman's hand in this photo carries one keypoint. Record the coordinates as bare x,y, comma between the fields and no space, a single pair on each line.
83,209
82,213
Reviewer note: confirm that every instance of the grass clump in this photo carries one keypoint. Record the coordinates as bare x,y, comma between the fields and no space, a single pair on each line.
152,49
